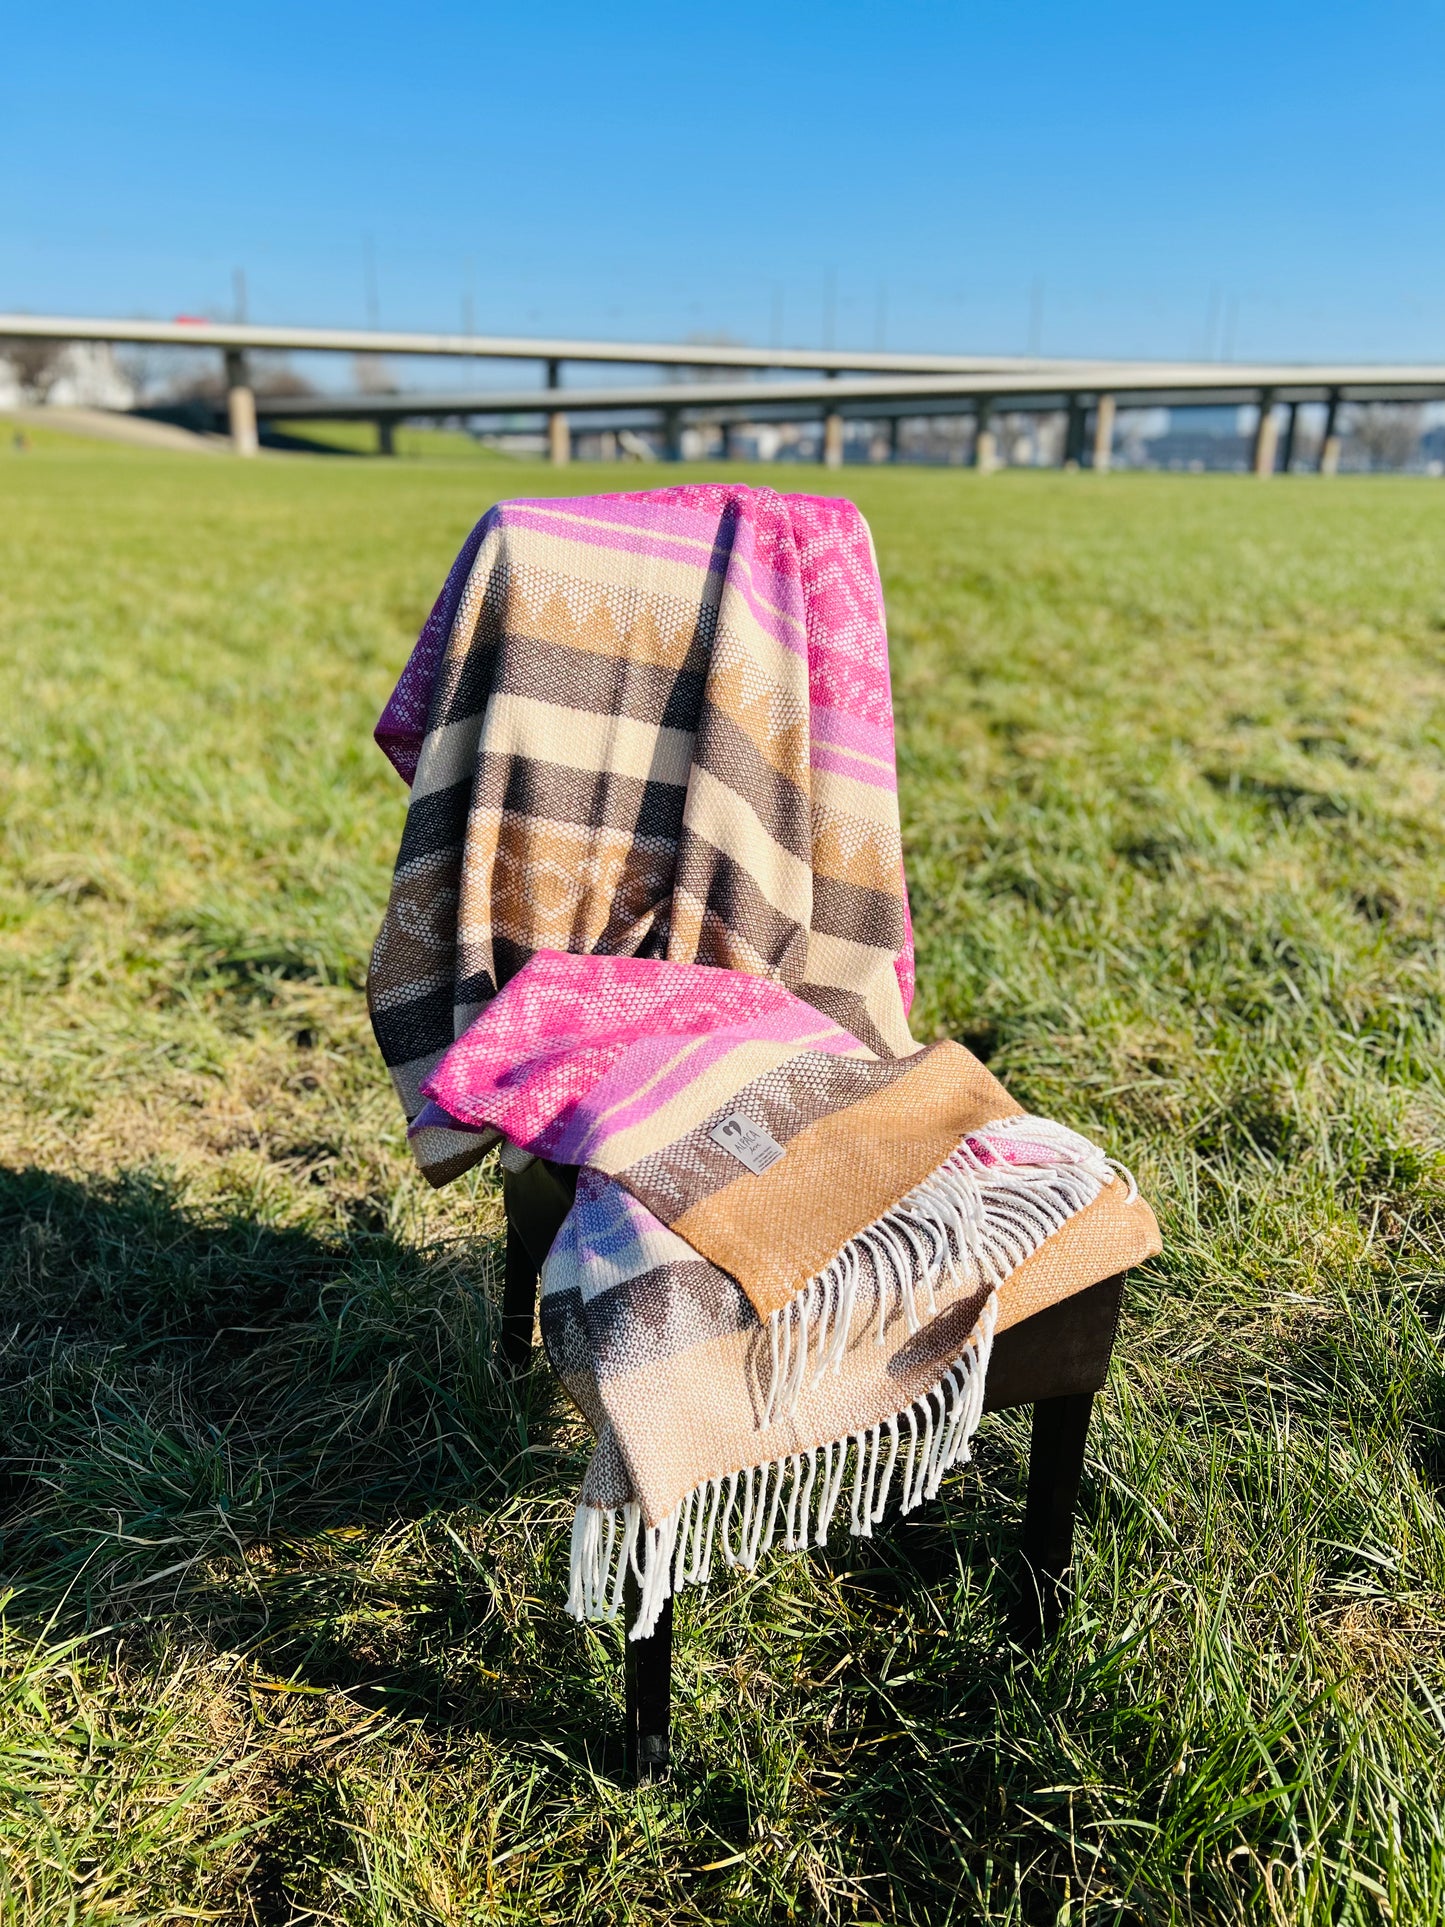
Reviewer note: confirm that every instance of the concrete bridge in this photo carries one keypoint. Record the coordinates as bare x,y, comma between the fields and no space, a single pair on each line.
786,384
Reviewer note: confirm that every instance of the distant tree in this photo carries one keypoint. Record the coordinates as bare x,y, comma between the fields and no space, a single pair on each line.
1388,432
273,375
36,364
372,375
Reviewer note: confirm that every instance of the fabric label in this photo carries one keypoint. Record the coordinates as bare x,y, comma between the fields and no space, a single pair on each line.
749,1143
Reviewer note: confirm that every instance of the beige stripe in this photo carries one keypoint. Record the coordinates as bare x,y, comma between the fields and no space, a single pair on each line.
583,739
683,1113
731,824
448,755
869,973
408,1079
582,566
846,797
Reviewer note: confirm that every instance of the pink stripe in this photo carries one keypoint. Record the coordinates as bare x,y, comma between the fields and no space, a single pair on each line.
640,511
848,730
842,764
623,541
590,1129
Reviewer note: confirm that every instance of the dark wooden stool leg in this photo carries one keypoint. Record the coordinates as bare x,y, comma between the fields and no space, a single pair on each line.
1056,1464
648,1676
519,1305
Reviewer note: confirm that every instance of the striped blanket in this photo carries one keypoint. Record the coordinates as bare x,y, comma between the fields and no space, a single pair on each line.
667,942
651,725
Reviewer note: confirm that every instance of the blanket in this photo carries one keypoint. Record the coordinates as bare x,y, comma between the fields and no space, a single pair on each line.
653,725
684,966
782,1245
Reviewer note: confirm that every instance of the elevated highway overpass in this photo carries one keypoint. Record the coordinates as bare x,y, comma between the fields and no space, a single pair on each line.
761,384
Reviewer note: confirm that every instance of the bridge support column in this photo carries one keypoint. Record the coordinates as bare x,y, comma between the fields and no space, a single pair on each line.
1330,440
1286,454
833,441
559,429
240,404
672,434
1103,434
1074,433
385,435
895,430
985,442
1266,436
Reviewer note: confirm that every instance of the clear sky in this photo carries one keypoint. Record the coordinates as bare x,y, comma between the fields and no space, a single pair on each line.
1237,180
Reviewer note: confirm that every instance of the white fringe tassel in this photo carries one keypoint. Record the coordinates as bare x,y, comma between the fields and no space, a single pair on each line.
974,1221
793,1499
970,1220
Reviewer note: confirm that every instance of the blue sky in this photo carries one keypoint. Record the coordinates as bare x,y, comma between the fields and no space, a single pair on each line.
1111,178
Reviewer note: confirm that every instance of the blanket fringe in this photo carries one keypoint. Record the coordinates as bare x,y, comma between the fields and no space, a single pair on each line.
976,1218
740,1516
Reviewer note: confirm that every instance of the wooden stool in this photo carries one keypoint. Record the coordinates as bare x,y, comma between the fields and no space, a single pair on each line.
1055,1361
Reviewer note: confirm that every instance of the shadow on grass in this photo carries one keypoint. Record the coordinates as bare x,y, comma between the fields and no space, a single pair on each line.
248,1437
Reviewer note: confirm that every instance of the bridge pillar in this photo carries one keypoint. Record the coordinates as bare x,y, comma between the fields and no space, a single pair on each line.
1286,454
559,429
1103,434
985,442
895,429
833,440
1266,435
385,435
1330,440
1074,433
240,404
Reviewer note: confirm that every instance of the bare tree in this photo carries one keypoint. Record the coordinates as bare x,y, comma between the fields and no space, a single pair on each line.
36,364
372,375
1387,431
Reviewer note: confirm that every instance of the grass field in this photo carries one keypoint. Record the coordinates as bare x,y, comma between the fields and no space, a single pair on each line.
284,1638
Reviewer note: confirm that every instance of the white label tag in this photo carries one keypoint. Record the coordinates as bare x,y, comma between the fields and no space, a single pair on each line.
749,1143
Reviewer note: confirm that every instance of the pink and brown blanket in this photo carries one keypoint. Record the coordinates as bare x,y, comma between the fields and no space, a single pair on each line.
649,919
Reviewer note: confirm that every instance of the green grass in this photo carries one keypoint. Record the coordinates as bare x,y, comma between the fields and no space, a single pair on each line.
285,1638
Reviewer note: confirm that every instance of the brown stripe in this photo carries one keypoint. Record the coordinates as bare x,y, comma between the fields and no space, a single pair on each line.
525,786
863,916
781,806
847,1007
786,1101
775,1231
732,898
609,685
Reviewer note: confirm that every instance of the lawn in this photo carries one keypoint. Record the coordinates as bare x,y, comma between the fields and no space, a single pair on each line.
284,1636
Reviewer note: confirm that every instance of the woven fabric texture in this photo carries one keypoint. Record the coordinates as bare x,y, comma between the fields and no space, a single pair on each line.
649,919
652,725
